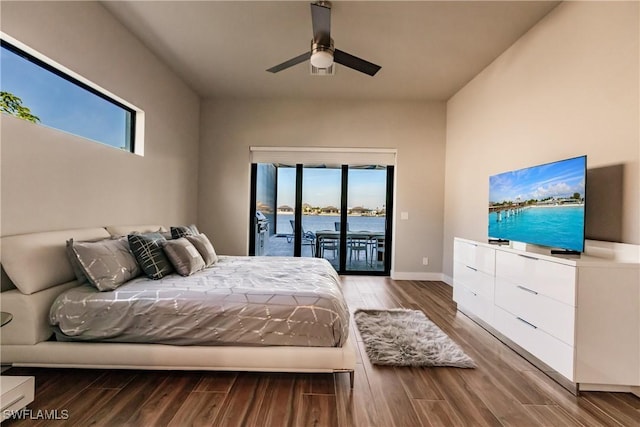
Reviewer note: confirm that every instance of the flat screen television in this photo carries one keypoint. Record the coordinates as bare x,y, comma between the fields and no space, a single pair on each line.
541,205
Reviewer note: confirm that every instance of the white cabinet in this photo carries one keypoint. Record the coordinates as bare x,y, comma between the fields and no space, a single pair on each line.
579,316
555,353
550,278
473,275
537,309
17,392
536,301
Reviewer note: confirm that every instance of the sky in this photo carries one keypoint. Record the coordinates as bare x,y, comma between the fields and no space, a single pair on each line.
61,104
321,187
558,179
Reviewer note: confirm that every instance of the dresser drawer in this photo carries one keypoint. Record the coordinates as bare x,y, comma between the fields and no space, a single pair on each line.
474,303
548,278
17,392
555,353
553,317
479,257
473,279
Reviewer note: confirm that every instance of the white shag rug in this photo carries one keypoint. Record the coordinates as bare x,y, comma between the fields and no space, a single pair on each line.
401,337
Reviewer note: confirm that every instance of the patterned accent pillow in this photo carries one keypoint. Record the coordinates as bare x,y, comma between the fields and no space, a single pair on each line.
204,246
107,263
81,278
184,256
178,232
147,249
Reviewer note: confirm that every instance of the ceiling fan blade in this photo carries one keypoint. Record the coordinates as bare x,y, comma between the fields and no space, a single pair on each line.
290,63
355,63
321,21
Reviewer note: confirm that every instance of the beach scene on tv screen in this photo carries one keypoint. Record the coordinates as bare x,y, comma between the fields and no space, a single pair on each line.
542,205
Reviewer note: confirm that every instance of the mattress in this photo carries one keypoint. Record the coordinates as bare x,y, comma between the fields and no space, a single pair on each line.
261,301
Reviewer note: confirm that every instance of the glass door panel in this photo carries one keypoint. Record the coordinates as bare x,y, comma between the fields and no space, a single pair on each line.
283,242
366,218
265,208
321,197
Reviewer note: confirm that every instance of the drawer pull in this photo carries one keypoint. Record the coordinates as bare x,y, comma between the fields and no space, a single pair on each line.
526,289
471,268
529,324
529,257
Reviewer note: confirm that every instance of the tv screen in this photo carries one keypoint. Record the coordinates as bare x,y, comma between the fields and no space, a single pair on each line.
541,205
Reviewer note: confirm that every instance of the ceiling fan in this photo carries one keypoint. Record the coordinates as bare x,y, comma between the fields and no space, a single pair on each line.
323,54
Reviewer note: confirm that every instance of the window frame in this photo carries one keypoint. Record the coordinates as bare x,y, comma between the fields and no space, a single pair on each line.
135,129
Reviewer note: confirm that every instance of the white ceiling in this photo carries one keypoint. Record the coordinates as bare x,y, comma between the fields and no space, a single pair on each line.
427,49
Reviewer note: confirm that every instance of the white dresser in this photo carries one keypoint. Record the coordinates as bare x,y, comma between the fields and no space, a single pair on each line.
578,319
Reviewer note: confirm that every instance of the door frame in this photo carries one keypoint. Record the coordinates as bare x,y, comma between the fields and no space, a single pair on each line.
297,237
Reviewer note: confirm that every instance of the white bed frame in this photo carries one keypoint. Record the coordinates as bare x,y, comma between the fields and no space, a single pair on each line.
37,265
54,354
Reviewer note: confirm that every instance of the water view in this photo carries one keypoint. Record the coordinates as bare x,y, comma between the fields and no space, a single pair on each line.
554,226
323,192
327,222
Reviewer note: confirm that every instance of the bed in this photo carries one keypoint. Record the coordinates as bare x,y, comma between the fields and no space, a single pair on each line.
240,292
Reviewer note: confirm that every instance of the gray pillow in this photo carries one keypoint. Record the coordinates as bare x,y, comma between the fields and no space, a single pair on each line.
148,251
75,264
107,263
184,256
204,246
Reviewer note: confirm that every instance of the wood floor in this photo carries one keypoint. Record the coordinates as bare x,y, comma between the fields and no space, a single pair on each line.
503,390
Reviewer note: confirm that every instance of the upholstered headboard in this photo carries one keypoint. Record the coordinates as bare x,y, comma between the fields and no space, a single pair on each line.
38,261
38,266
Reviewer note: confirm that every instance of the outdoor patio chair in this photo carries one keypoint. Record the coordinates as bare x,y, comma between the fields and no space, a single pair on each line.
308,237
328,244
357,245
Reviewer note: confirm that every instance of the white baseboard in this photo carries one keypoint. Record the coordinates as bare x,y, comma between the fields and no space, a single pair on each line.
447,279
409,275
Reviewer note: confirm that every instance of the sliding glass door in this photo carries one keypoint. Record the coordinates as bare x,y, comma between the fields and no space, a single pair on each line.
337,212
321,201
366,218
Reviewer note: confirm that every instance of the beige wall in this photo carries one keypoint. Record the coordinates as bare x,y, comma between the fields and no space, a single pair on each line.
415,129
568,87
54,180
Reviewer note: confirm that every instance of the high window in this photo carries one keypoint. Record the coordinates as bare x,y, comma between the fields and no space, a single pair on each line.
34,89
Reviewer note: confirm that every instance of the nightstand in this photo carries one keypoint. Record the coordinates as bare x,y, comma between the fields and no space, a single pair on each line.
16,393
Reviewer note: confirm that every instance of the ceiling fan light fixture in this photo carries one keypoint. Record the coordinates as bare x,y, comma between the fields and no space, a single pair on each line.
330,71
322,59
321,54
